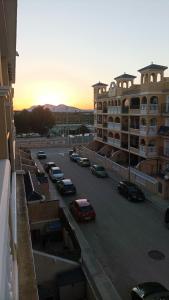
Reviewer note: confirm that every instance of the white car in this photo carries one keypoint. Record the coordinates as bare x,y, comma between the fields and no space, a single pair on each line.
56,174
41,155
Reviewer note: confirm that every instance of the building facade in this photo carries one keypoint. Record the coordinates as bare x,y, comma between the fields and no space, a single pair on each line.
134,119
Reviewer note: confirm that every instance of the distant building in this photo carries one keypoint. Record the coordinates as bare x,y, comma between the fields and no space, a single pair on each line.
86,118
133,119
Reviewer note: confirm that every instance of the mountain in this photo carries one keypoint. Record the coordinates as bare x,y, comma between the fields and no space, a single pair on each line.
61,108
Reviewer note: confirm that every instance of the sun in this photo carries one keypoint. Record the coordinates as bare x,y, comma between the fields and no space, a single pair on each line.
50,97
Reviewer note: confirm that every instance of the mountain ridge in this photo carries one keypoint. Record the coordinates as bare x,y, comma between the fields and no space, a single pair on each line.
61,108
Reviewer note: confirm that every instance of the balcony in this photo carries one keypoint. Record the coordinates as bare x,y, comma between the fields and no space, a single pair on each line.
165,108
148,130
104,125
135,130
104,110
114,142
134,149
115,126
148,151
99,138
99,124
124,127
125,110
115,110
151,109
135,110
144,109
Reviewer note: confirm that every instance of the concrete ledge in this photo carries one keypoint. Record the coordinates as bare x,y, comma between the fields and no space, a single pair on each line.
100,283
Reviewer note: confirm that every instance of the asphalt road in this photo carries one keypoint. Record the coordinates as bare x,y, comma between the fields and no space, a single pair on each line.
124,232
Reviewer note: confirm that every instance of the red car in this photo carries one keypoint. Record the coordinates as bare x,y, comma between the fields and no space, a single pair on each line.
82,210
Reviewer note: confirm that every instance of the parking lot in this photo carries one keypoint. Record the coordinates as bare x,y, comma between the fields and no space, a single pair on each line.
124,233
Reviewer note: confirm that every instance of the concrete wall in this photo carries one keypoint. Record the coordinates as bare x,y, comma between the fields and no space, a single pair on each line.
48,266
46,210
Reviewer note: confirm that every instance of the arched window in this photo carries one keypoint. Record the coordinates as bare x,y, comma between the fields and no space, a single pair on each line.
144,100
143,122
117,120
159,77
110,134
142,142
117,136
154,100
153,122
124,85
153,77
110,119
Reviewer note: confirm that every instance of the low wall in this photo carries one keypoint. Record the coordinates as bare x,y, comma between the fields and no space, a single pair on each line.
140,178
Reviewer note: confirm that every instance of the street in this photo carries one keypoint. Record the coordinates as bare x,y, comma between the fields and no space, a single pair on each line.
123,233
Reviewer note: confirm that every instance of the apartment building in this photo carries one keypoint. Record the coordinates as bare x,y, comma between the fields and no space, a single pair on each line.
8,220
133,120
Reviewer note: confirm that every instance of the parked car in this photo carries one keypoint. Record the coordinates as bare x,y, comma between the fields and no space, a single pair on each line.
82,210
49,165
83,162
98,171
149,291
131,191
74,157
166,218
66,186
55,174
71,152
41,155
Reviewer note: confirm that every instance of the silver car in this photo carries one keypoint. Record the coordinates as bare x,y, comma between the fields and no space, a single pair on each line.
56,174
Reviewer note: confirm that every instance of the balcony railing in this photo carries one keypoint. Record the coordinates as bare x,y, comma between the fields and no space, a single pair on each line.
148,151
114,142
148,130
105,110
149,109
115,126
114,110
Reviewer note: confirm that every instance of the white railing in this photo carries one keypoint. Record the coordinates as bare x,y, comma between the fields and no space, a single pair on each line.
149,151
8,270
152,130
143,108
148,130
143,130
114,142
113,125
114,110
153,109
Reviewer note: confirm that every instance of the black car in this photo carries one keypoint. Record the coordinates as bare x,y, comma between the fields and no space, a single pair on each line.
149,291
49,165
131,191
66,187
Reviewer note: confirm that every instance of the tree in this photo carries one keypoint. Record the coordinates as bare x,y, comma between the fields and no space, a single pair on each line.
83,129
39,120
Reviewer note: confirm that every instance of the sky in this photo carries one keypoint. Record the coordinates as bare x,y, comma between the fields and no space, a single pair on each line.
66,46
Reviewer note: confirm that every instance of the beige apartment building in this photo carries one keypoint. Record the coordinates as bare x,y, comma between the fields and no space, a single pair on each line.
132,121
